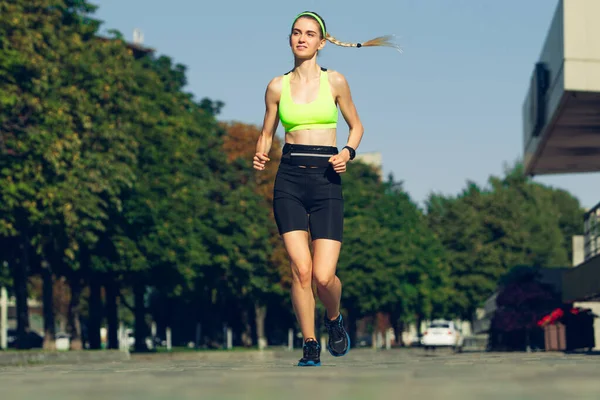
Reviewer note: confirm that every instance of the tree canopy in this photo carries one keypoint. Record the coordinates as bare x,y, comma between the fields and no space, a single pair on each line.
126,195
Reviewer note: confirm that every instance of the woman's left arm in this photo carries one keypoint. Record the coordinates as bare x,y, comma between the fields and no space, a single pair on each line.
348,109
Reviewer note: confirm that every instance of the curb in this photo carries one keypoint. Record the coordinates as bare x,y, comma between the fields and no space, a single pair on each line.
27,357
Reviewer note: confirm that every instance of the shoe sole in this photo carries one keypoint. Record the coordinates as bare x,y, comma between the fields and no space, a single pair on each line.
309,364
335,354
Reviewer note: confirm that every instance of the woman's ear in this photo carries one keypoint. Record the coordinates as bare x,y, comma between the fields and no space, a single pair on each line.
323,42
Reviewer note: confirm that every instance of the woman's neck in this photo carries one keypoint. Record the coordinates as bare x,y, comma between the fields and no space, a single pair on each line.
306,70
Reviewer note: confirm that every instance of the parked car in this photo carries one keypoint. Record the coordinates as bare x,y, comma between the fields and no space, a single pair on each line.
442,333
32,340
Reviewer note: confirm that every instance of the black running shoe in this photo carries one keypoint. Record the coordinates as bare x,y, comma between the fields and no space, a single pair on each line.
312,354
339,340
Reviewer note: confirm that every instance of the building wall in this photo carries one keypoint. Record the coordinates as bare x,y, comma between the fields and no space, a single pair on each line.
581,46
571,55
578,259
552,55
578,250
36,315
583,281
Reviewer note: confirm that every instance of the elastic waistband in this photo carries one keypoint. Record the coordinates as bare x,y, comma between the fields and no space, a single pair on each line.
307,155
303,169
309,149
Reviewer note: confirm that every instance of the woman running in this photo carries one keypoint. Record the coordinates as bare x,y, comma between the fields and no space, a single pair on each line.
308,186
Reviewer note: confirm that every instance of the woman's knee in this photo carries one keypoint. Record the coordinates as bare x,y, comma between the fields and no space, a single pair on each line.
302,273
324,280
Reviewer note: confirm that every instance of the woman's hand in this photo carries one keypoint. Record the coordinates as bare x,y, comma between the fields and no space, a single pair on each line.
339,161
260,159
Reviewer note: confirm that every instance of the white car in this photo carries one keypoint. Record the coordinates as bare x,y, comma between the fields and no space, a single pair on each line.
442,333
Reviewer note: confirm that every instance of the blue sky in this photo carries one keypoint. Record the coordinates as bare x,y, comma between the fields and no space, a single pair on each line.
446,111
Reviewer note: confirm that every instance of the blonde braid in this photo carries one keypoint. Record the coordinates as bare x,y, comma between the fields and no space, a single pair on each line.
340,43
384,41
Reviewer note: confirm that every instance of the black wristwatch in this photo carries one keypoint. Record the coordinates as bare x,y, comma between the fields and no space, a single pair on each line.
351,151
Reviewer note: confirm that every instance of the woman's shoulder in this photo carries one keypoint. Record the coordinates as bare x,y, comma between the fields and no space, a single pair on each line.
336,78
275,83
274,87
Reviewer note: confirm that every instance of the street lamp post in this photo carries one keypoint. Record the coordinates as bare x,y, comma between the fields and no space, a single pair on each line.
3,318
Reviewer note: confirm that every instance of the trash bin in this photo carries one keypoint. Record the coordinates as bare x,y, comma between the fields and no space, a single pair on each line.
555,337
580,331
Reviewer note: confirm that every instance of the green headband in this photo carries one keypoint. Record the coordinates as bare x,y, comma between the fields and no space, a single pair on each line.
315,16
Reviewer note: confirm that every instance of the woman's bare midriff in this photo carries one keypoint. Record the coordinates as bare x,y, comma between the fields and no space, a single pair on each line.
313,137
316,137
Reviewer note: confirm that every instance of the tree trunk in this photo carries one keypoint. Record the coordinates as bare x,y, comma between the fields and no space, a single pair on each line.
261,314
397,324
419,322
140,318
95,312
352,325
247,333
19,274
48,300
112,315
73,321
399,330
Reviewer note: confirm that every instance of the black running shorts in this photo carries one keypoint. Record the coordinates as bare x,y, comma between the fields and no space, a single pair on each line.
308,193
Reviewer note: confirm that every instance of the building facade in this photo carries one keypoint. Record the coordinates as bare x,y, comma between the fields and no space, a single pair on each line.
561,122
561,130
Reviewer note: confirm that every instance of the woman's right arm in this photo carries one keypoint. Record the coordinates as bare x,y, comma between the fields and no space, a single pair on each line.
270,123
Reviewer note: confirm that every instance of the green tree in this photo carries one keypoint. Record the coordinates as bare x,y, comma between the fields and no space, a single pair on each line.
64,137
415,260
270,279
486,232
26,140
178,181
570,217
391,261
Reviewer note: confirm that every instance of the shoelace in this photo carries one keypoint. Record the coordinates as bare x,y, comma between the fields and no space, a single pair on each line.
311,350
337,330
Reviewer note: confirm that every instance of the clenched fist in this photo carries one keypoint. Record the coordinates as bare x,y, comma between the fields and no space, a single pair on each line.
260,159
339,161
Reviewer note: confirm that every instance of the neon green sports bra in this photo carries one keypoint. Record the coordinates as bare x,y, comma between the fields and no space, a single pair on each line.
321,113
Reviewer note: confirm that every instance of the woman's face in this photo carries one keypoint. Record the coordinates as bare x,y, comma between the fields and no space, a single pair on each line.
306,38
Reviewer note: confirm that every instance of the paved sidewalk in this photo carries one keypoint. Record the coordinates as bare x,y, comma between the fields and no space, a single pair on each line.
362,374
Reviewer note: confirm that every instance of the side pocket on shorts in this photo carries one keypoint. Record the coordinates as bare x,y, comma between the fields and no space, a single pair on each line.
333,181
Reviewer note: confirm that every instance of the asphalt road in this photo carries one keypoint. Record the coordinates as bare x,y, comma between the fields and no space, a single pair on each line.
362,374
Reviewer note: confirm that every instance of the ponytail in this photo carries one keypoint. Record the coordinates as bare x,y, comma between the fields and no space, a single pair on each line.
383,41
